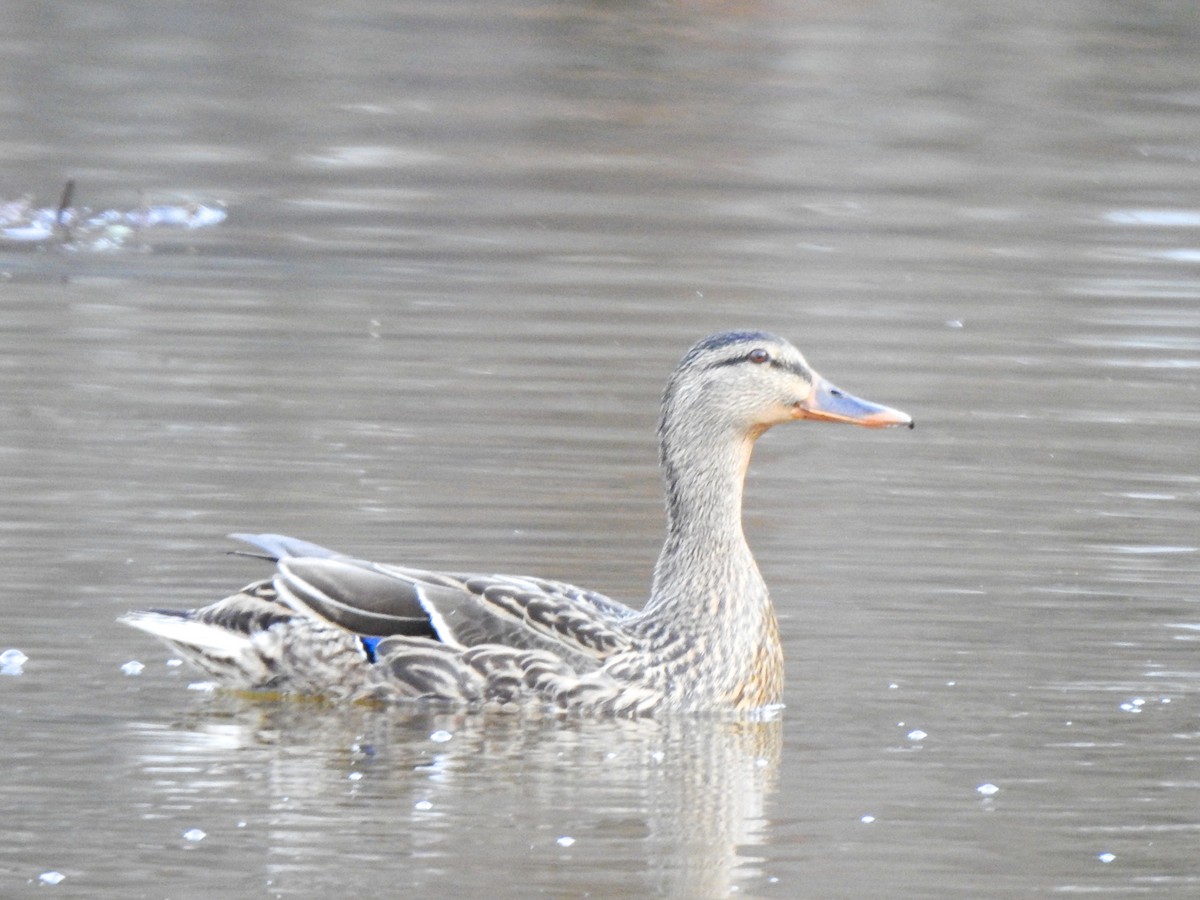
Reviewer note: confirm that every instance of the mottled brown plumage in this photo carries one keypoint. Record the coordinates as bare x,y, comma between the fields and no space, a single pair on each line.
707,638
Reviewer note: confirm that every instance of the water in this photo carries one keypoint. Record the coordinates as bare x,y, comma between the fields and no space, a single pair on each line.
465,245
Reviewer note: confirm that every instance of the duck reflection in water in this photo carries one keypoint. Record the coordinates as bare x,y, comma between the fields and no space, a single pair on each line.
467,804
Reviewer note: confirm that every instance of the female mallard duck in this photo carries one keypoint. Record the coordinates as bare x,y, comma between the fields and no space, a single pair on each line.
328,624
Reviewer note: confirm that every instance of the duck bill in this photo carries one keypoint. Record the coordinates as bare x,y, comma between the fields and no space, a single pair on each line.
827,403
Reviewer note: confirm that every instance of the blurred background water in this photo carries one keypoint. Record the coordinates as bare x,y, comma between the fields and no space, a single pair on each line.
464,245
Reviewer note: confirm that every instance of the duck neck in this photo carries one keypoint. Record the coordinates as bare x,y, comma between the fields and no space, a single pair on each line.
709,628
709,622
705,559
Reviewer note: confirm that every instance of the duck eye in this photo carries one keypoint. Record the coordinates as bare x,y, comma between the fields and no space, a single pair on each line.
759,356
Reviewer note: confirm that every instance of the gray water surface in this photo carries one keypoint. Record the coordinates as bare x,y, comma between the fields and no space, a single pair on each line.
465,245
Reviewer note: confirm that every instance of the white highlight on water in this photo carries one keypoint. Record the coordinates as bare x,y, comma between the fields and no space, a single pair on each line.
11,662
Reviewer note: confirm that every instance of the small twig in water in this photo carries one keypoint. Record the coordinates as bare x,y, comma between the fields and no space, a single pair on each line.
63,205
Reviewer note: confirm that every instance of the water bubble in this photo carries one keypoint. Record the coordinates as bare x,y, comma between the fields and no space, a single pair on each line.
174,663
11,661
917,735
565,841
355,776
441,737
867,820
133,667
1106,857
51,877
1134,706
204,687
194,835
423,805
987,789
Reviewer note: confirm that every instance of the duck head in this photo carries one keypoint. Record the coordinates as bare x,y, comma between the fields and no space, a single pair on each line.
751,380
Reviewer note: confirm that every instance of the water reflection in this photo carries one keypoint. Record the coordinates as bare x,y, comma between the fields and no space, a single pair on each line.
599,808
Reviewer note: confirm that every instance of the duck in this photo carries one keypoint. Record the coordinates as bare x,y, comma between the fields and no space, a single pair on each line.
332,626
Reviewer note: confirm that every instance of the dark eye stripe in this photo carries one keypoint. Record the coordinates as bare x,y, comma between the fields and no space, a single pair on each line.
772,361
731,361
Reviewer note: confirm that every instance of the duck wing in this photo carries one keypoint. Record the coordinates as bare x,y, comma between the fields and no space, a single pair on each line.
460,611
